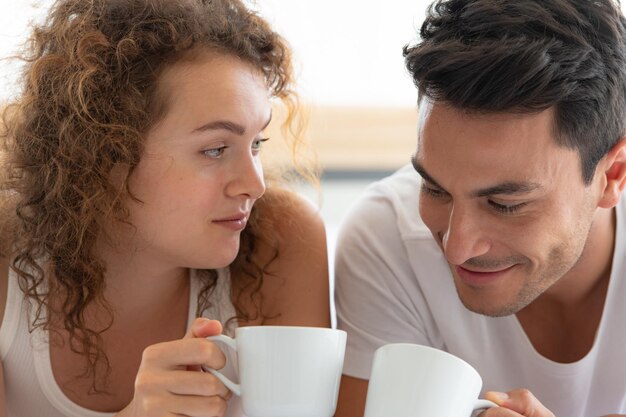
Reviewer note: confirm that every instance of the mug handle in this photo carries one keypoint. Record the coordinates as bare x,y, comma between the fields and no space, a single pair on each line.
236,388
482,404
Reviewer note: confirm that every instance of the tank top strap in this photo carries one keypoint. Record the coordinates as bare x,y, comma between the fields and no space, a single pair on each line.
13,310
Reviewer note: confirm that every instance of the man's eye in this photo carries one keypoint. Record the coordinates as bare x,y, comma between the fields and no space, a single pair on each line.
504,208
433,192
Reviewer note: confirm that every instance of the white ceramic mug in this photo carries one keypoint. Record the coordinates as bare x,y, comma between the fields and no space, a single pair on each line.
410,380
286,371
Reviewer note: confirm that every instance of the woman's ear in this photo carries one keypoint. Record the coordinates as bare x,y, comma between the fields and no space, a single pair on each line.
614,175
119,175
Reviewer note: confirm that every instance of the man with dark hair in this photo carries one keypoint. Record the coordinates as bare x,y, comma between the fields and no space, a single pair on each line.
505,241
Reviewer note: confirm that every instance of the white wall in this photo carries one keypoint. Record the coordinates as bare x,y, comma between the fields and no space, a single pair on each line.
348,51
14,18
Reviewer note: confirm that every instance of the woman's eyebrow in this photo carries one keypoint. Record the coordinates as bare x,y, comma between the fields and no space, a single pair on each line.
222,125
231,126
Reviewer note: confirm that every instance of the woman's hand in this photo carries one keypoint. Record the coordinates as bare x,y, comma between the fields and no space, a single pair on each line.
170,383
517,403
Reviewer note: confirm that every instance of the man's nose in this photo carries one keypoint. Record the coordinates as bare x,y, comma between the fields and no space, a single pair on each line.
464,237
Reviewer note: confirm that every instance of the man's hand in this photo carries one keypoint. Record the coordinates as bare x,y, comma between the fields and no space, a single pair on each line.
520,402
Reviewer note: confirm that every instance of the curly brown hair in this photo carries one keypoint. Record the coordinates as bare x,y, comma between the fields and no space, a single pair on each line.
88,99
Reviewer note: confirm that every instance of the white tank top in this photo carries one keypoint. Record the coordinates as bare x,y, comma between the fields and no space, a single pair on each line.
30,387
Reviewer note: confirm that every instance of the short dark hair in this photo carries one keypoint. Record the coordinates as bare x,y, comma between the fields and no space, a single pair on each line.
526,56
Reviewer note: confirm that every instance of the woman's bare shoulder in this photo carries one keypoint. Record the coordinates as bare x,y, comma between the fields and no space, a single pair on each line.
295,218
299,294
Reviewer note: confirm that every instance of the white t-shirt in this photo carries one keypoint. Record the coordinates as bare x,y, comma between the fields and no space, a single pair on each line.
394,285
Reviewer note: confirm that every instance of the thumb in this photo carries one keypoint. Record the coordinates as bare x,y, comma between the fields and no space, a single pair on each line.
203,327
500,398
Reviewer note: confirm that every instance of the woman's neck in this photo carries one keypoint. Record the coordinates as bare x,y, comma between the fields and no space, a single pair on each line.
137,281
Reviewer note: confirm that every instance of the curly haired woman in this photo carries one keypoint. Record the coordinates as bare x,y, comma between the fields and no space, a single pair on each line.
136,219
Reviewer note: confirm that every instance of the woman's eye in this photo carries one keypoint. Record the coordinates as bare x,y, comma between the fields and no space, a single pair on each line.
258,144
504,208
214,152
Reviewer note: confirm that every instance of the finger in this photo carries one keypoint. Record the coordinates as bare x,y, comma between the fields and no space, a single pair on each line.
499,412
196,383
522,401
203,327
182,353
197,406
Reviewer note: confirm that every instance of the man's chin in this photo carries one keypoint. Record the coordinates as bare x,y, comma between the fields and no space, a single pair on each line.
490,309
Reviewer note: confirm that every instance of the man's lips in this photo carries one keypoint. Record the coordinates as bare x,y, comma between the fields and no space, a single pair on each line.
481,278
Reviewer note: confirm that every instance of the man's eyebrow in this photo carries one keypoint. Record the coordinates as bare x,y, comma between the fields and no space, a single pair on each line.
420,170
508,188
228,125
505,188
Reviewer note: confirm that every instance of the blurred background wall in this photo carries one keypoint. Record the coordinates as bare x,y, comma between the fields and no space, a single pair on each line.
351,74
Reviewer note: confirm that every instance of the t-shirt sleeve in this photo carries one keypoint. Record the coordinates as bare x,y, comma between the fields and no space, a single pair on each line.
376,294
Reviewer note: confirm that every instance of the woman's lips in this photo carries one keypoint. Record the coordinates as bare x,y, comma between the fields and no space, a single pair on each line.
480,278
235,223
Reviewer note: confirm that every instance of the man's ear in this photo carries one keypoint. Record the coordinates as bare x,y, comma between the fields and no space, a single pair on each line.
614,175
